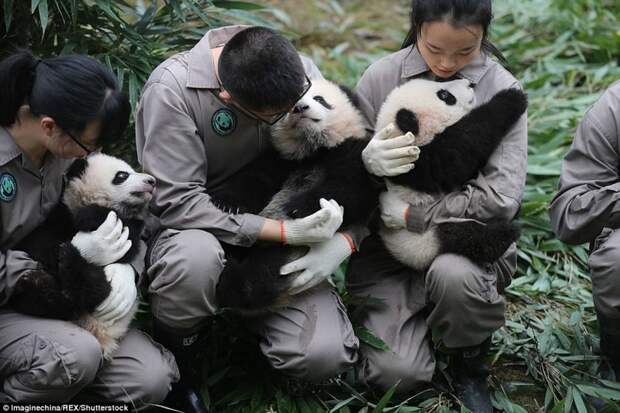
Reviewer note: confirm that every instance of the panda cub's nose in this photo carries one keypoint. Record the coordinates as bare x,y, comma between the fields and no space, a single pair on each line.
150,180
300,108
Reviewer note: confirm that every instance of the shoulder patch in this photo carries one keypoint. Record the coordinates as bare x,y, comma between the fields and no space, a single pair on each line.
8,187
224,121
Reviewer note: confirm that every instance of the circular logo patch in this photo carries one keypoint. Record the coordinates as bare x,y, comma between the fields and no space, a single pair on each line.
8,187
224,121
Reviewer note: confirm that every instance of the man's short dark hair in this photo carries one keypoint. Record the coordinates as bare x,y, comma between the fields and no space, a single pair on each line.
261,69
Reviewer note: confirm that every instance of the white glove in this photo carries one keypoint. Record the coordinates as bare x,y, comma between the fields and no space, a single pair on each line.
318,264
317,227
122,295
105,245
390,154
393,210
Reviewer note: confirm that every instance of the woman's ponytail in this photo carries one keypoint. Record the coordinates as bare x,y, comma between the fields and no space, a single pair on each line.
17,77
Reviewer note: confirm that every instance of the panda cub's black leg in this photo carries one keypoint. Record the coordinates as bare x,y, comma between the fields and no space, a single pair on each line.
253,284
480,243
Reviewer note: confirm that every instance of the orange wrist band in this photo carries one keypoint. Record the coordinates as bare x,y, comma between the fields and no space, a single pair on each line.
282,234
349,240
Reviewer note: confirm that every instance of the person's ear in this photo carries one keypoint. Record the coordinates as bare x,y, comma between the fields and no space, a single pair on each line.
48,125
225,96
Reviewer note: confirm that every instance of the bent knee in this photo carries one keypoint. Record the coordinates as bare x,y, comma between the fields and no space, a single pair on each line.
449,274
50,366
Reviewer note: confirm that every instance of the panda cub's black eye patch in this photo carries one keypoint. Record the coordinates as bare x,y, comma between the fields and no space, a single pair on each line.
322,101
120,177
447,97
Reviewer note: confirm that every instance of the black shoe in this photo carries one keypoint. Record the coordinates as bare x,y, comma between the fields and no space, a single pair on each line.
610,344
186,348
610,354
470,373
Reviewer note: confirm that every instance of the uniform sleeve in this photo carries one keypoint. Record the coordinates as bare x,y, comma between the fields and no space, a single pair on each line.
13,264
175,155
311,68
589,187
495,193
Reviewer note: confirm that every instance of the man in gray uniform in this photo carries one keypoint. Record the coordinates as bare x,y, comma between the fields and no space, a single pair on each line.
51,360
200,119
586,209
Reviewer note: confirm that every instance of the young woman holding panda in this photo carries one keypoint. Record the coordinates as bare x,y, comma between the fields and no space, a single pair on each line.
51,111
460,302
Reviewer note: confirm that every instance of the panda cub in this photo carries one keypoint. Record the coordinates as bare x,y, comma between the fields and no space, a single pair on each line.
456,140
66,286
317,154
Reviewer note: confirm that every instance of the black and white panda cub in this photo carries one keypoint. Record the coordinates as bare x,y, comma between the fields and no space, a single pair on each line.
317,155
456,140
66,286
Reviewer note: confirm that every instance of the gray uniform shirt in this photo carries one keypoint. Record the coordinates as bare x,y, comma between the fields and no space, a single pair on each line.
498,189
27,195
191,141
589,187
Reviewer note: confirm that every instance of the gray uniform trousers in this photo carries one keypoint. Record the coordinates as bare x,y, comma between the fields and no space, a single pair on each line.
310,339
604,263
456,300
43,360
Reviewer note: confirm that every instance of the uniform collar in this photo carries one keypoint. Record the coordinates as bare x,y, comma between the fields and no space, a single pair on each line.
8,148
414,64
201,73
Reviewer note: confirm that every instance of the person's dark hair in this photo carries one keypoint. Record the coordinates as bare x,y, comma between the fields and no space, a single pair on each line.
74,90
261,69
458,13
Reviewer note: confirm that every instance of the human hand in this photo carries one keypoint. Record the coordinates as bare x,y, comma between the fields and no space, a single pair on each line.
105,245
317,227
394,210
318,264
389,154
122,295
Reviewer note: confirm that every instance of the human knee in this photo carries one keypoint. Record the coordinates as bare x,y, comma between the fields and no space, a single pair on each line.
67,367
187,264
449,276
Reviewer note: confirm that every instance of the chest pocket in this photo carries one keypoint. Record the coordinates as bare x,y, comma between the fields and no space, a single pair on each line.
231,138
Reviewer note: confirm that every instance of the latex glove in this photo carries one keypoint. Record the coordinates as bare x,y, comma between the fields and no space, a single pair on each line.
390,154
317,227
105,245
394,210
318,264
122,295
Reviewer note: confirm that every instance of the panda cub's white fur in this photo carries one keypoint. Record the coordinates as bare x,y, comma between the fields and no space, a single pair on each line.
417,250
129,198
323,118
312,124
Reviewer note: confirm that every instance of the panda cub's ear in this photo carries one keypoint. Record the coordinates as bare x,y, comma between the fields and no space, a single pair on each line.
76,169
407,121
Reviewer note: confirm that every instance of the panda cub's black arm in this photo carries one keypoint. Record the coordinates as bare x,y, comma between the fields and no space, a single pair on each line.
344,179
461,150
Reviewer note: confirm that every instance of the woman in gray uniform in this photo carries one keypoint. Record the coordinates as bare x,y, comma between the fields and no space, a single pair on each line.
584,210
459,301
54,110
